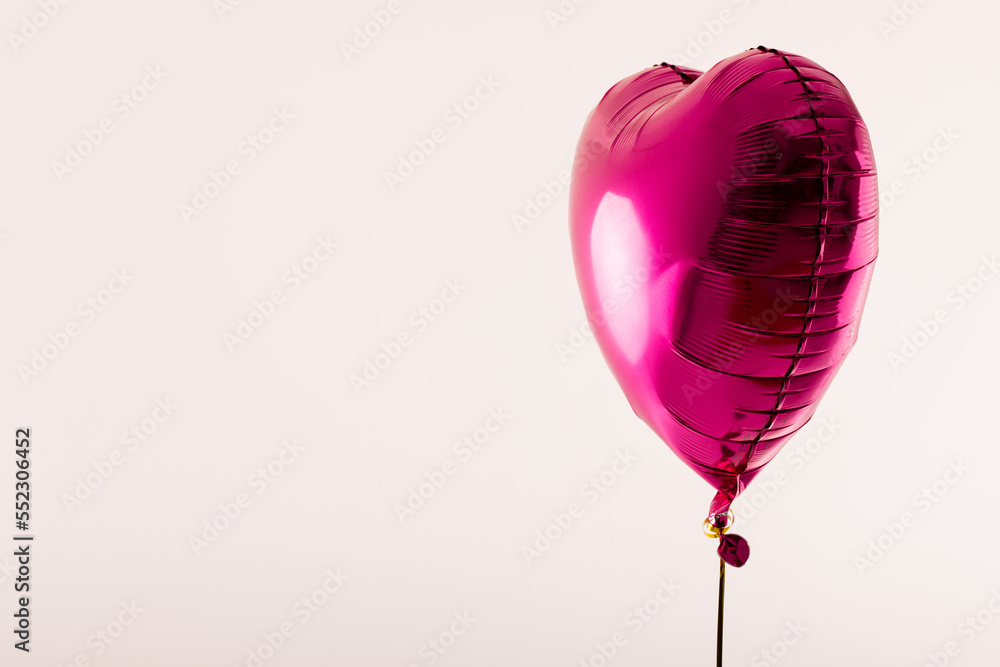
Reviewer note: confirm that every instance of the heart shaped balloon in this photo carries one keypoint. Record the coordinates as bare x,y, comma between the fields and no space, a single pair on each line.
724,228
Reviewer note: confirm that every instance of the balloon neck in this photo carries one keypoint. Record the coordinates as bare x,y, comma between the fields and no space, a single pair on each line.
724,498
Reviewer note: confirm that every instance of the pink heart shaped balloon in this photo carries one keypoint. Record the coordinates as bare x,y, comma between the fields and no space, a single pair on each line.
724,228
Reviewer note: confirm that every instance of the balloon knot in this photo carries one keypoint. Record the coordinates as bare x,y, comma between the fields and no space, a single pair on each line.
733,548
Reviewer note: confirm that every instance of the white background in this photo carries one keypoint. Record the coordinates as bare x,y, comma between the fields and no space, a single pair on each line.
917,73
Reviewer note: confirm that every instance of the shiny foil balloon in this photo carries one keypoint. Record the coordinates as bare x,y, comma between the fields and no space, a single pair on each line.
724,228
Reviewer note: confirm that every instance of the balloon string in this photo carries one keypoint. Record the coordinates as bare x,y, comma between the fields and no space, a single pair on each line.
722,593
